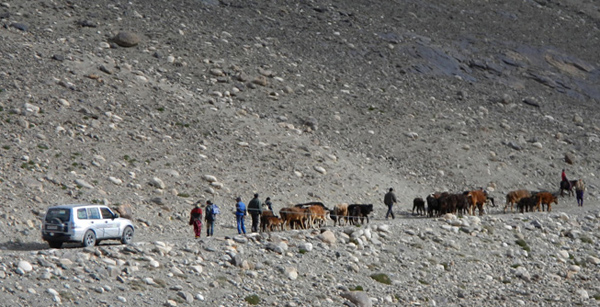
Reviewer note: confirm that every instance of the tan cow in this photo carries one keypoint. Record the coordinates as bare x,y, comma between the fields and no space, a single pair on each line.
476,199
513,197
340,213
317,214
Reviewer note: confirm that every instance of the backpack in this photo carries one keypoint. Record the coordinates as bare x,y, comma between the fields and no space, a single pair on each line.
215,209
211,211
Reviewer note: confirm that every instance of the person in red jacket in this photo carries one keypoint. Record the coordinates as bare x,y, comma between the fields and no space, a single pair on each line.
196,219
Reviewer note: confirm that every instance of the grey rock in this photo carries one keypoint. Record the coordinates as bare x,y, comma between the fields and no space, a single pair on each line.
126,39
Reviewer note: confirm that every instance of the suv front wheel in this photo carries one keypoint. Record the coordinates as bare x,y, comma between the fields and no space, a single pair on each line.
89,239
127,237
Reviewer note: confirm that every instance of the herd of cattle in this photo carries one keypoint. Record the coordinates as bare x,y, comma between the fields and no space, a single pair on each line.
315,214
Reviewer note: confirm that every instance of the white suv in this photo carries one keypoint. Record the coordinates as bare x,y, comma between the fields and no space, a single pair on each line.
86,224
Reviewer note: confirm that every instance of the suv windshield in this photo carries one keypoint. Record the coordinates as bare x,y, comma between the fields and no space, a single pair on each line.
58,213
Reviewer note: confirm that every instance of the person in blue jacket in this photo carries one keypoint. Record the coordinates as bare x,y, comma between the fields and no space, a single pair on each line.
240,215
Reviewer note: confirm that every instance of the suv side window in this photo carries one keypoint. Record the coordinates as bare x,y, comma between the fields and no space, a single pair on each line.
93,213
106,213
81,214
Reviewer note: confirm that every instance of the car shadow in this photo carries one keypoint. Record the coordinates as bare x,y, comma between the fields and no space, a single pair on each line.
38,246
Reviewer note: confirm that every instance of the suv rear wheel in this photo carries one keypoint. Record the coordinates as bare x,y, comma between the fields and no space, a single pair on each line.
127,237
89,239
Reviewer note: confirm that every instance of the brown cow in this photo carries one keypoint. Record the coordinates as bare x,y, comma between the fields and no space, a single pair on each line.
272,223
292,216
476,198
340,212
264,219
545,198
513,198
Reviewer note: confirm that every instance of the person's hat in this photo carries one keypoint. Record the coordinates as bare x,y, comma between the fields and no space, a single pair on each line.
238,198
197,205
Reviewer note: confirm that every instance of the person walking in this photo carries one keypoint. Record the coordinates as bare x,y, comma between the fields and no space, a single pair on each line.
579,188
210,216
196,219
255,209
240,215
389,199
269,204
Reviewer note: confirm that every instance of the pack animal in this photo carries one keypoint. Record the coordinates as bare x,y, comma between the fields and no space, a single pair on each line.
567,186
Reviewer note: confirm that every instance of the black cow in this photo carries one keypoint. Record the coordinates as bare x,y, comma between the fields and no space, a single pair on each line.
419,204
433,205
356,211
527,204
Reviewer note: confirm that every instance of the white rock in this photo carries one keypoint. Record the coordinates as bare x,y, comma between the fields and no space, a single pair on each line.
25,266
298,174
305,246
327,237
563,254
291,273
412,135
537,145
64,102
593,260
84,184
114,180
583,294
53,292
209,178
320,169
197,268
157,183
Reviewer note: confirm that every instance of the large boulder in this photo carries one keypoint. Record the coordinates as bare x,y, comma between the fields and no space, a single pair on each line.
126,39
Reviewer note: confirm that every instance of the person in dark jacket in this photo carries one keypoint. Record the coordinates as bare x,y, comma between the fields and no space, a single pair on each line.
240,215
269,204
389,199
579,189
210,217
196,219
255,209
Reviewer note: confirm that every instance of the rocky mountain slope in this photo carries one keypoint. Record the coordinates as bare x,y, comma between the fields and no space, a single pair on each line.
334,101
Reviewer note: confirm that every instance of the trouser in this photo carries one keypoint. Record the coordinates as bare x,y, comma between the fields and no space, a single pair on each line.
255,219
390,212
197,228
240,224
210,227
579,198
